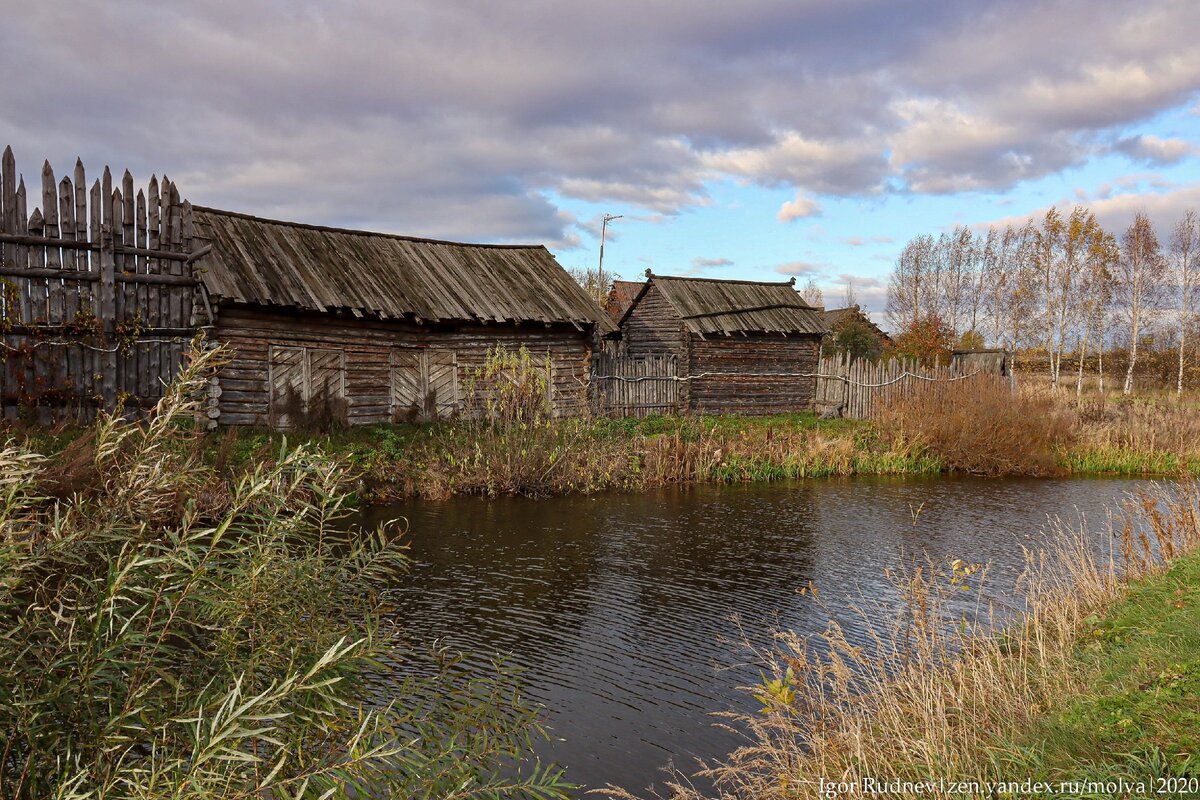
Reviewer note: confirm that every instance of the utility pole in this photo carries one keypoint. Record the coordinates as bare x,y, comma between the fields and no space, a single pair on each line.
600,269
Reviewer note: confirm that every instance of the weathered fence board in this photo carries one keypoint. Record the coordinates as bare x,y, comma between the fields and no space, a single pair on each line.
860,389
634,386
97,293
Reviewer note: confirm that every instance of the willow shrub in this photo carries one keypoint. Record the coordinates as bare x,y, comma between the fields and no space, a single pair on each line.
154,648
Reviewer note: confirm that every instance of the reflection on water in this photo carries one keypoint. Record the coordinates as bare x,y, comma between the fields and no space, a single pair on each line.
623,609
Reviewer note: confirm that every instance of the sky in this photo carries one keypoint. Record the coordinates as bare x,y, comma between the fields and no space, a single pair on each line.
754,140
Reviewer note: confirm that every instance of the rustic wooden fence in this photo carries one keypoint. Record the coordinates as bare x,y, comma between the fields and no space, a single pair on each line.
858,389
98,292
634,386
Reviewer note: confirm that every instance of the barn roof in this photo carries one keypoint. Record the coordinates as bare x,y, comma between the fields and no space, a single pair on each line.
838,316
313,268
712,306
621,297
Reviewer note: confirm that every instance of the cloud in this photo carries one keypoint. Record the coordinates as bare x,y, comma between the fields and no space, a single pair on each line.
701,266
799,208
860,241
798,268
1115,211
1156,151
464,121
709,263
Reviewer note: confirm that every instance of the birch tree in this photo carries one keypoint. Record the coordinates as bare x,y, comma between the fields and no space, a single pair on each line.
1185,280
1141,278
911,284
1046,259
1099,255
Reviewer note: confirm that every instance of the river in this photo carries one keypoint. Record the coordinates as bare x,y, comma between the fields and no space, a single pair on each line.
624,609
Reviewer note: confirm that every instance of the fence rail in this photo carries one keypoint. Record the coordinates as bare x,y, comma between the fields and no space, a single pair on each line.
634,386
858,389
98,292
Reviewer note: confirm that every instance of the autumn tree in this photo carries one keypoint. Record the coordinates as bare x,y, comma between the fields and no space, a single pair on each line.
1090,255
912,284
812,294
1140,282
928,340
1185,280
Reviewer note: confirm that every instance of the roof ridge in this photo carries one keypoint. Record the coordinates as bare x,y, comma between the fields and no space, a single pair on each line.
357,232
655,276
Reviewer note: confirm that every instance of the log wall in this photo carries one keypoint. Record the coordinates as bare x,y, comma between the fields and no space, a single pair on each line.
732,374
377,358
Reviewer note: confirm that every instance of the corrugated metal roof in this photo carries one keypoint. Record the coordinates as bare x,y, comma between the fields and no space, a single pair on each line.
711,306
313,268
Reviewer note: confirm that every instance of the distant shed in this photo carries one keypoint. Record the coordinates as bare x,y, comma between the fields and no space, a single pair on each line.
743,346
991,361
371,327
838,318
620,298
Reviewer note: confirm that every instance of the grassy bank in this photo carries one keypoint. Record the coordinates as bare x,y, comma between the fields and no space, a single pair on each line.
1095,680
1138,712
509,443
589,455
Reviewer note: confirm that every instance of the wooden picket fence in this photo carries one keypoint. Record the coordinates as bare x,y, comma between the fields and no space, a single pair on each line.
98,293
859,389
634,386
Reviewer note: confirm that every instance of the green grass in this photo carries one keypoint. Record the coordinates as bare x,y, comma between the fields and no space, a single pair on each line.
1140,716
1125,461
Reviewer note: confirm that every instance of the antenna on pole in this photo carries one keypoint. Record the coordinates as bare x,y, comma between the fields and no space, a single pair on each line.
600,269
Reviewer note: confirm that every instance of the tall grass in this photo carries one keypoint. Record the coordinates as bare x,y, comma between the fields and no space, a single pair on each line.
1145,433
935,694
980,426
153,647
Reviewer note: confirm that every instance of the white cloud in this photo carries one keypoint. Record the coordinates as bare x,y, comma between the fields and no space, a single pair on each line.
804,268
799,208
1155,150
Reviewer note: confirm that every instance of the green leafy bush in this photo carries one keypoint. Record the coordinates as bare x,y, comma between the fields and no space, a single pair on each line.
152,646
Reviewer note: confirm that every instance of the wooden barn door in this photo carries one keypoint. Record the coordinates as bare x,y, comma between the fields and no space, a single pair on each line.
407,396
308,385
285,371
424,384
441,399
326,385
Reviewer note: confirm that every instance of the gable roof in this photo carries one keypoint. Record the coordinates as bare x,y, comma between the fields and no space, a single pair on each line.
839,316
314,268
714,306
621,297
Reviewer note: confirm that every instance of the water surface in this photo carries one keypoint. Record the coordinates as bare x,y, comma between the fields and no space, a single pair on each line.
624,609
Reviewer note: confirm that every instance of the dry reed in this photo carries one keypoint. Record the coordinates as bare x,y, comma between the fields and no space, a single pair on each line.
933,697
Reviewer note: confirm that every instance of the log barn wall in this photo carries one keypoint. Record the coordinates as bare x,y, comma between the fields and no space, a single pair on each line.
754,336
370,327
739,387
371,350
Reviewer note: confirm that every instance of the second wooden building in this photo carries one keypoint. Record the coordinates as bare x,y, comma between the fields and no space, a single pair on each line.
741,347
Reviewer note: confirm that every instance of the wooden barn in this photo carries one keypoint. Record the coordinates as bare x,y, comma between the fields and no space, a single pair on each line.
838,318
620,298
373,327
741,346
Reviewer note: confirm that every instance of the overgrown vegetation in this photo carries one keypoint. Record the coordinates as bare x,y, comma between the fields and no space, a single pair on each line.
980,426
157,645
507,441
1089,680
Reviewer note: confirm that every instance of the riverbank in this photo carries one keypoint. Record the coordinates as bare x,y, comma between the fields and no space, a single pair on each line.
1095,681
550,457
